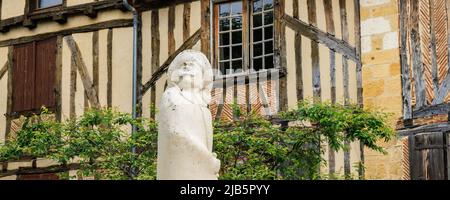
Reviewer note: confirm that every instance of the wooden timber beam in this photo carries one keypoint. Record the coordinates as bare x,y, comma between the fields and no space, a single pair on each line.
31,170
88,9
163,68
440,127
428,111
82,29
3,70
322,37
77,59
143,5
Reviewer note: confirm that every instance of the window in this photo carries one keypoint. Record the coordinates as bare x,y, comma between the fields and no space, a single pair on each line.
34,75
238,22
262,35
40,4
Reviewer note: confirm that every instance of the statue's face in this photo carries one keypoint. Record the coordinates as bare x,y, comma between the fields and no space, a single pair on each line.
190,75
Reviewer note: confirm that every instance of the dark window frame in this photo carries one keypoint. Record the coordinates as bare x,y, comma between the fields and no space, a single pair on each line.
34,7
247,39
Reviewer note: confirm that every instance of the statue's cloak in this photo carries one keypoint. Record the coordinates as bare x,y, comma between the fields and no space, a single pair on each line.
185,139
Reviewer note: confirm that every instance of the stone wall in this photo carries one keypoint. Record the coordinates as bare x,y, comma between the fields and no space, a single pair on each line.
381,79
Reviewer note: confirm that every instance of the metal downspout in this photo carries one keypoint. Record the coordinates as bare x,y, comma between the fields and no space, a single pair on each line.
134,92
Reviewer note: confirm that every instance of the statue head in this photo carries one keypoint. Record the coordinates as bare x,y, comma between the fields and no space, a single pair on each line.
191,70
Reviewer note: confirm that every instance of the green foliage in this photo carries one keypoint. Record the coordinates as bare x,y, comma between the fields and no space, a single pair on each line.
250,147
99,141
339,123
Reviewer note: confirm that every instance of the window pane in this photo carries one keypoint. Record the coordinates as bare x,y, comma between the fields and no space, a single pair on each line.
257,20
257,49
257,6
224,39
268,62
237,23
224,10
268,47
224,24
224,66
268,33
268,18
236,65
268,4
237,51
257,35
236,8
49,3
225,53
257,64
237,37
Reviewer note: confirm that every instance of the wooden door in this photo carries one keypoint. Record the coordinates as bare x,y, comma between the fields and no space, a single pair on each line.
429,156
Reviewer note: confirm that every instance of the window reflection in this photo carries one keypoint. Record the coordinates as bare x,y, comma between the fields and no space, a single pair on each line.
49,3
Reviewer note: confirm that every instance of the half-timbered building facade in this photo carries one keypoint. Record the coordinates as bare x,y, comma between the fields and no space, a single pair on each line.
71,55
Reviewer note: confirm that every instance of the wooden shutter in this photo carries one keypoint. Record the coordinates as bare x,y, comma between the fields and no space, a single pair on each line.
34,75
45,73
429,157
23,77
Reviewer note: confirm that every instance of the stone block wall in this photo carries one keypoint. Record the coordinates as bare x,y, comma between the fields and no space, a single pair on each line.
382,79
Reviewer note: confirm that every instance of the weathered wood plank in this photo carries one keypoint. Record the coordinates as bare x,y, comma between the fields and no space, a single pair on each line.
418,69
359,81
155,56
82,29
317,89
320,36
186,21
246,55
82,69
73,88
280,59
109,67
58,79
157,4
95,60
32,19
171,34
3,70
406,80
221,104
437,127
345,37
9,100
439,109
205,29
345,72
298,56
1,3
328,4
139,67
27,21
433,47
163,68
445,86
347,164
31,170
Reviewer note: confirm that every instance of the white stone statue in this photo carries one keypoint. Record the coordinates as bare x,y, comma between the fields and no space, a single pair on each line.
185,133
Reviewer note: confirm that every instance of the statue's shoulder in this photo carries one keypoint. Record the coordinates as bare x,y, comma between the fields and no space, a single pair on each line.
170,97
